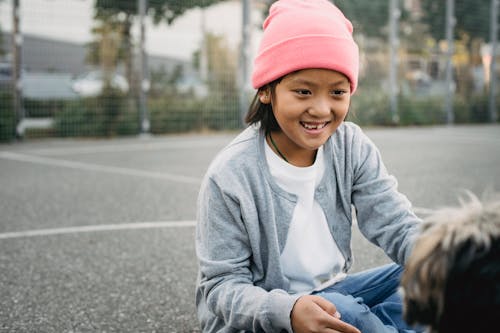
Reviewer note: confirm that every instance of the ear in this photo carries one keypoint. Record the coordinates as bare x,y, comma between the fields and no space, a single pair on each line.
265,96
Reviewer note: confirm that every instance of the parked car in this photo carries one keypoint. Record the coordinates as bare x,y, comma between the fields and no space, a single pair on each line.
38,85
6,75
91,83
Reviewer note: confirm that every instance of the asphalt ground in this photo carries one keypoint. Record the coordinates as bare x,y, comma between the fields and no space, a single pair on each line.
97,235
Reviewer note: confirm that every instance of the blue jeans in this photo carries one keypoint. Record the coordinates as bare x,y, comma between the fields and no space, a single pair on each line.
370,300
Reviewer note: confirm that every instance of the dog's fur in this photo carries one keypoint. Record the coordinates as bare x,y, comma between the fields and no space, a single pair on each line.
451,281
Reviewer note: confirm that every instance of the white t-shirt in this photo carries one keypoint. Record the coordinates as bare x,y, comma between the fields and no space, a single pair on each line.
311,259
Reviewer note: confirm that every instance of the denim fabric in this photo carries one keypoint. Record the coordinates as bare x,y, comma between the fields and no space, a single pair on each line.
370,300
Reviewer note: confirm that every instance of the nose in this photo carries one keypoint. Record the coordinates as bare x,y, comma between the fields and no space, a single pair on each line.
321,107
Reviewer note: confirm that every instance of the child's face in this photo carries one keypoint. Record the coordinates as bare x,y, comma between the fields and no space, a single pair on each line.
309,105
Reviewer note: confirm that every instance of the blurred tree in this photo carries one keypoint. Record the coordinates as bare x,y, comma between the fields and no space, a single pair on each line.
2,47
472,18
222,62
114,46
123,13
3,51
221,107
164,82
104,50
368,17
471,30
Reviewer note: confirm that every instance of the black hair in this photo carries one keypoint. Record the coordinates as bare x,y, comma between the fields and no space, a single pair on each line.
259,112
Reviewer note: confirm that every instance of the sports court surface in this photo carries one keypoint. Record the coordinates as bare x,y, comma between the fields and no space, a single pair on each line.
97,235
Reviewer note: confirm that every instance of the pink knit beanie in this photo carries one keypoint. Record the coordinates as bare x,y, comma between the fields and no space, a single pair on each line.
300,34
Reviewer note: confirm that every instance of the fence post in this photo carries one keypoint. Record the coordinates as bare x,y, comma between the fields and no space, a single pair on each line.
450,85
17,80
244,56
394,14
143,70
493,74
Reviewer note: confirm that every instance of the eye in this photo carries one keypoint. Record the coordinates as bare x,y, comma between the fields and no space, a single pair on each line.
302,92
338,92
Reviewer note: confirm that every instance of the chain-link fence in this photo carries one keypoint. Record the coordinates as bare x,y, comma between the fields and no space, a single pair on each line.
114,67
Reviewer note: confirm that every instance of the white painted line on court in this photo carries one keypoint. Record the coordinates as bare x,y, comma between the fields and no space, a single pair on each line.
97,228
99,168
130,147
121,226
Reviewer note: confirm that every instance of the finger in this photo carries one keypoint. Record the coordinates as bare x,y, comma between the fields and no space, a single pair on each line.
327,306
331,330
343,327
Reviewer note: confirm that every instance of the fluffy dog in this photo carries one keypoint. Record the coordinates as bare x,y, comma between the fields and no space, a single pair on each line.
451,281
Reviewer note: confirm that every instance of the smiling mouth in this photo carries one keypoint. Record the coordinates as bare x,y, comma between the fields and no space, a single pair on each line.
314,126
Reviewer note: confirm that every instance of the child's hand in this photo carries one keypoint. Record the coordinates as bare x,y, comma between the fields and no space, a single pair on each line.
315,314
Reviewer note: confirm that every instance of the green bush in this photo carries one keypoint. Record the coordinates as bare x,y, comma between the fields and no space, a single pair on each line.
106,115
7,117
111,114
420,111
78,120
370,106
221,113
43,108
174,115
471,110
128,122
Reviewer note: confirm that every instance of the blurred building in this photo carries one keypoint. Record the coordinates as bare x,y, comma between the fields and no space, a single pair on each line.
50,66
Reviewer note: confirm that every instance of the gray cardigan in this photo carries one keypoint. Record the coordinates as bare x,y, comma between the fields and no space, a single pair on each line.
243,219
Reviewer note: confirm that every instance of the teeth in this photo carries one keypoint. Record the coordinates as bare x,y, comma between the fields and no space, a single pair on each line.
313,126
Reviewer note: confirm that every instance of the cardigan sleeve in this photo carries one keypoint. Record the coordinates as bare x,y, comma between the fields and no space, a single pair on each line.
384,215
225,283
